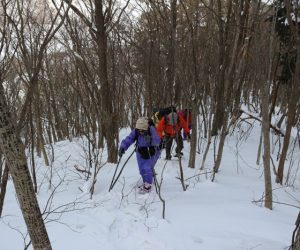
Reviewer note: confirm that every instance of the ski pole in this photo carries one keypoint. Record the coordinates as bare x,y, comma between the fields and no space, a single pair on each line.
115,174
118,176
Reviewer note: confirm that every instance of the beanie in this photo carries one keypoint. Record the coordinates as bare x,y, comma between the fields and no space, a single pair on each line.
142,123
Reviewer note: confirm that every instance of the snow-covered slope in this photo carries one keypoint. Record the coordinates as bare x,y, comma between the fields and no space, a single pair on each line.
209,215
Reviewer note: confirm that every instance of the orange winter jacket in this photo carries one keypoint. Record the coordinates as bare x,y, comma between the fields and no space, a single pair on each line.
171,130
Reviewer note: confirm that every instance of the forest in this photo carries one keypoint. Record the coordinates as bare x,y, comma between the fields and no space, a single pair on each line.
71,69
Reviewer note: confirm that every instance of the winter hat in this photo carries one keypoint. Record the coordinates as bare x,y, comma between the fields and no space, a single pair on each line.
142,123
172,118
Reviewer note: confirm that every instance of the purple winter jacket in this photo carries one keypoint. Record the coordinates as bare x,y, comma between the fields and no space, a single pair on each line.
142,140
146,158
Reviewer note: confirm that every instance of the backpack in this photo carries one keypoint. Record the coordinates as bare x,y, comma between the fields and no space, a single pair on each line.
159,113
171,119
146,152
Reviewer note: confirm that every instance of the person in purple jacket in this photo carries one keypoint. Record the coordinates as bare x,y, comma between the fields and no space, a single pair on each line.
147,150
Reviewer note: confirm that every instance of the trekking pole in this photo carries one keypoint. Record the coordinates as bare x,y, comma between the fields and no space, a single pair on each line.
113,182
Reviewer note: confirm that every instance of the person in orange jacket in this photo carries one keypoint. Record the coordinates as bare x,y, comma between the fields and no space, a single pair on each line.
170,126
187,116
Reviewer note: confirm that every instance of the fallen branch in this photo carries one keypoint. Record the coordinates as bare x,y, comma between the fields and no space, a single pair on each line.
82,170
197,175
278,131
277,202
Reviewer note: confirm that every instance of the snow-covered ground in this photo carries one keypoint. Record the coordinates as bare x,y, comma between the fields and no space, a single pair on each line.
219,215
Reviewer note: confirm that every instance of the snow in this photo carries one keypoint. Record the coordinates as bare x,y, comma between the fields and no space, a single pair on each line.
219,215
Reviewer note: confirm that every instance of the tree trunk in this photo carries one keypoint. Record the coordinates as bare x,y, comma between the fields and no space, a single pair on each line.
221,145
292,105
3,184
296,245
14,153
171,55
208,142
149,80
108,121
259,150
266,129
193,145
296,235
33,172
219,85
266,145
295,90
40,143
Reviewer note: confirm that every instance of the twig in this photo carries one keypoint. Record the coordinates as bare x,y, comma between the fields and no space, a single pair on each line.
278,131
196,175
82,170
277,202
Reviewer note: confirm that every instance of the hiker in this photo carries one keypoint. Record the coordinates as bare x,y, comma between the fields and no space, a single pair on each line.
171,126
158,113
147,150
187,116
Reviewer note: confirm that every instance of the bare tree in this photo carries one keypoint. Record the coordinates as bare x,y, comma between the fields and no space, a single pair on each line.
294,83
14,153
100,28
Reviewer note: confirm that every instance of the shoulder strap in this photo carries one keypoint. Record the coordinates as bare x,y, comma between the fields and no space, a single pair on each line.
149,132
136,135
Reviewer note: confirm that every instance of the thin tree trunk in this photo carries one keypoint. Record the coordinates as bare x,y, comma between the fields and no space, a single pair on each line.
286,141
296,235
295,89
266,128
39,129
259,150
290,119
171,55
110,131
14,153
208,142
266,145
193,142
221,145
181,175
32,152
297,241
3,187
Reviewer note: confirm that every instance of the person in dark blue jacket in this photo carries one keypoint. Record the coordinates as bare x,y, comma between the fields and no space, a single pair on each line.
147,150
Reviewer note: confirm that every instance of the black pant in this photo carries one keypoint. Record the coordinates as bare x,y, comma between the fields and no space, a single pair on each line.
169,140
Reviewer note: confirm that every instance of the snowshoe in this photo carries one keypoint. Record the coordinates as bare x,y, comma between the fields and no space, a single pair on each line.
145,188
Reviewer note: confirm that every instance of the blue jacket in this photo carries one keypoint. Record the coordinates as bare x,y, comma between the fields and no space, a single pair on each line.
147,151
142,140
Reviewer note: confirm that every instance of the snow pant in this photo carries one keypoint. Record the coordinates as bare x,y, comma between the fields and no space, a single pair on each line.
169,140
146,166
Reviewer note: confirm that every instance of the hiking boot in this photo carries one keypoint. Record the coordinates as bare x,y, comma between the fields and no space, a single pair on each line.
168,157
146,188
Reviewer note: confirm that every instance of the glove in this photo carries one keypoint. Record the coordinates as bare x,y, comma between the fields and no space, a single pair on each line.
121,152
